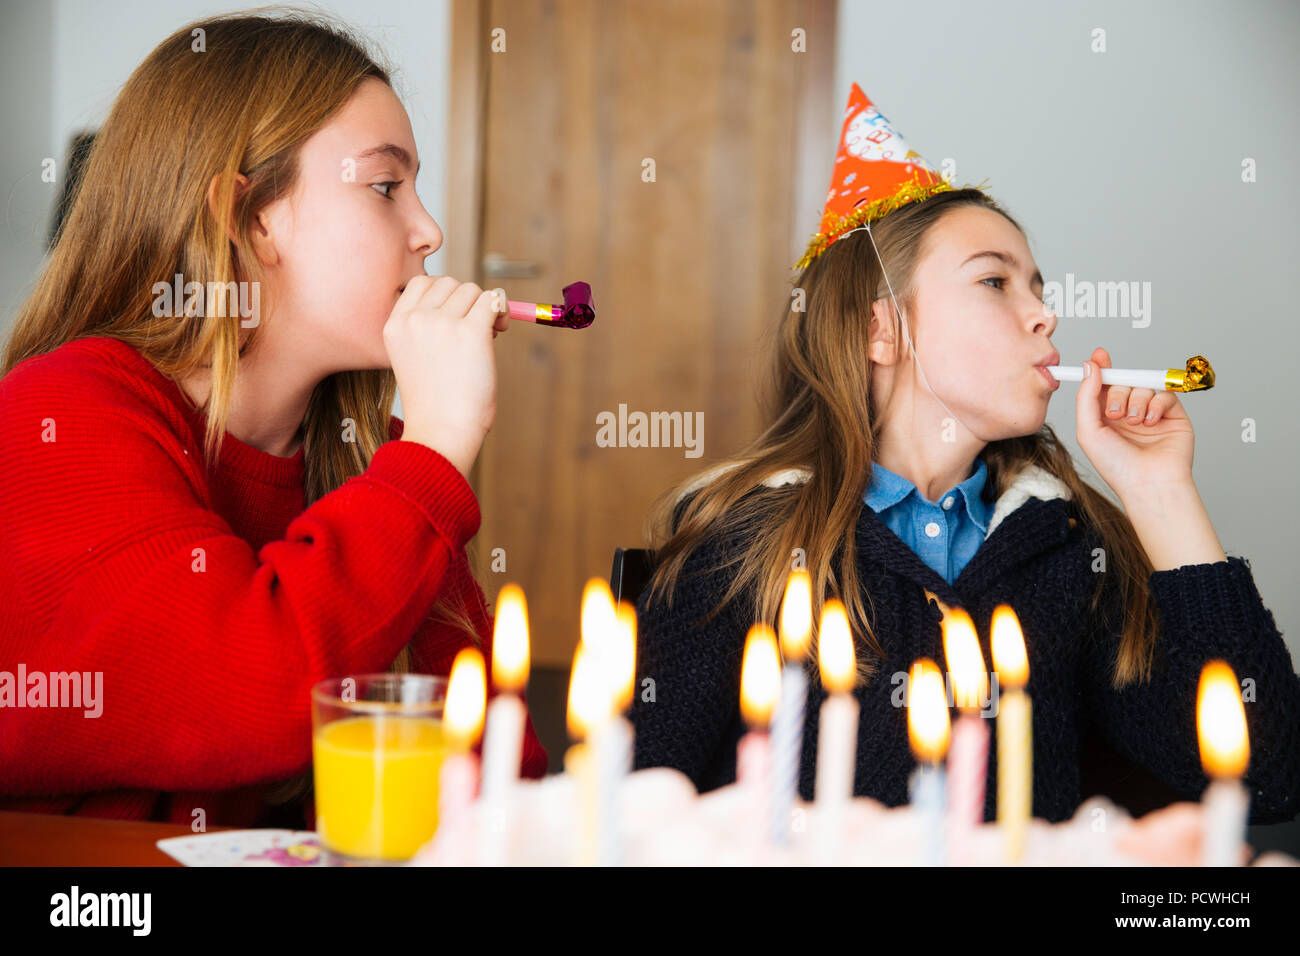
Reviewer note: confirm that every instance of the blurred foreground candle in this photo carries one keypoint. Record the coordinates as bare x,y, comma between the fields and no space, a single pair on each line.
589,705
1015,732
612,737
600,690
1225,752
462,724
837,728
928,732
968,758
503,740
760,683
787,726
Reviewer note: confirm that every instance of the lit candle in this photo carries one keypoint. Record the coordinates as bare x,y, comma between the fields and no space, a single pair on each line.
504,736
968,758
612,737
760,684
837,728
608,647
462,724
1225,752
928,732
787,725
589,703
1015,732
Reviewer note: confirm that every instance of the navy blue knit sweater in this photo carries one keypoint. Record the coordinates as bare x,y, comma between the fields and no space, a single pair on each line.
1039,560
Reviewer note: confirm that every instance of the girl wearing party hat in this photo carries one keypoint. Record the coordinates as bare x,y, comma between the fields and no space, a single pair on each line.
907,466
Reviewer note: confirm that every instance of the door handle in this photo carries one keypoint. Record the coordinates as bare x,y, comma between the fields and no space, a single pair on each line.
497,266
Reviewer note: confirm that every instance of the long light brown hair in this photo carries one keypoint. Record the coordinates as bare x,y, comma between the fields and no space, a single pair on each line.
244,103
821,418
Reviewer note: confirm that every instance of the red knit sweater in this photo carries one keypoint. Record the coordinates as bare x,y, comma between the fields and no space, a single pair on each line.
211,601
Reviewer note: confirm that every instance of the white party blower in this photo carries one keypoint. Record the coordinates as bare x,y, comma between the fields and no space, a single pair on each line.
1196,377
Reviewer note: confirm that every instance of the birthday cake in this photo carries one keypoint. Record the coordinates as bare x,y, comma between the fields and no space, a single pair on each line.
664,822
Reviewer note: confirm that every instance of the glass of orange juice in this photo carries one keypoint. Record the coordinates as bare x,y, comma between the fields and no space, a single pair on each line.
377,751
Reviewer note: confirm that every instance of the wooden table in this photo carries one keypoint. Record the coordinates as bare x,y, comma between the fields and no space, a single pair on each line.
42,839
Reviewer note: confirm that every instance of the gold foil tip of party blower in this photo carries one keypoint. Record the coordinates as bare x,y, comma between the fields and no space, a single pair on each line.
1197,377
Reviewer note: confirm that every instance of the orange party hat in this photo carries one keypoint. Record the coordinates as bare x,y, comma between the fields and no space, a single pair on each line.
875,173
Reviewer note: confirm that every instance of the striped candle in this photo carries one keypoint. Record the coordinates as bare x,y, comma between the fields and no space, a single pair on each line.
787,725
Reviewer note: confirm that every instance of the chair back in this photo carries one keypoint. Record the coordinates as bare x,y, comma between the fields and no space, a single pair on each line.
630,574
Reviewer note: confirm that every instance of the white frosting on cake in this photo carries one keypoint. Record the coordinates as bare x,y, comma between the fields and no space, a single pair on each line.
664,822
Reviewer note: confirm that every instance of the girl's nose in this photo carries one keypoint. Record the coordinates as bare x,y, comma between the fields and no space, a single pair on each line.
1045,320
428,240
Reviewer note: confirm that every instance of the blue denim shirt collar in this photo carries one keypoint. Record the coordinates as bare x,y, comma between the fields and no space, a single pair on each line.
888,489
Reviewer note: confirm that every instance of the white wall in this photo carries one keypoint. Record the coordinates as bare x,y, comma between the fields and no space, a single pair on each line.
26,48
1126,165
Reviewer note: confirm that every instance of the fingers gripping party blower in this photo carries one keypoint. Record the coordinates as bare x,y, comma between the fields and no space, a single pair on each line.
577,312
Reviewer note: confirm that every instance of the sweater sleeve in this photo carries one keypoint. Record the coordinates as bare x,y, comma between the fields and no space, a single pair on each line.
207,650
1206,611
682,718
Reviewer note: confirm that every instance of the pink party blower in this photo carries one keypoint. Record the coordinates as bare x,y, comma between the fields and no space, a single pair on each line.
578,312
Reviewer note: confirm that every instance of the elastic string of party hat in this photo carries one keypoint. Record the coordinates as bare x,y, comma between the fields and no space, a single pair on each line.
902,320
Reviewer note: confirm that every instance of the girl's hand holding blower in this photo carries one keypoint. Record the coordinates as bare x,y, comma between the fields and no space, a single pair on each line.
439,339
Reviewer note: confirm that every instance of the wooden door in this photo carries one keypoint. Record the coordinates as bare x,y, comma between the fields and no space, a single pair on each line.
674,155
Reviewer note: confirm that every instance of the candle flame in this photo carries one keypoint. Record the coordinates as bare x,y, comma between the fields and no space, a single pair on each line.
462,715
604,637
835,649
961,649
597,612
1009,657
796,616
927,711
760,676
589,699
1221,722
510,640
623,670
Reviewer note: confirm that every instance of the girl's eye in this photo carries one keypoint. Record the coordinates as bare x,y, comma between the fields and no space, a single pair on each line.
1002,280
392,185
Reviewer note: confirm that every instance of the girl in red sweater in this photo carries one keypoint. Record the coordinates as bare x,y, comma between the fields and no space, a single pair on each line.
206,505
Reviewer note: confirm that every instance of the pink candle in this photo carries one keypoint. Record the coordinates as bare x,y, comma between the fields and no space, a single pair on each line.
753,768
968,762
458,779
457,784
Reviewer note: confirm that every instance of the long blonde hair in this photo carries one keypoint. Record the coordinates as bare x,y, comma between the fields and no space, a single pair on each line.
821,418
244,103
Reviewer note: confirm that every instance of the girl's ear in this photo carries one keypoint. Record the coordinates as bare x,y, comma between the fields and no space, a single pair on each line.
241,183
882,344
263,241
